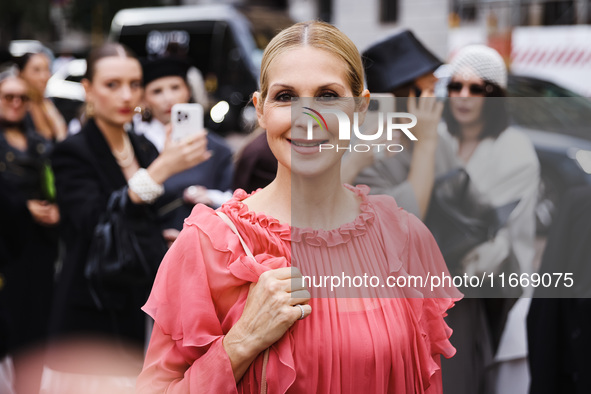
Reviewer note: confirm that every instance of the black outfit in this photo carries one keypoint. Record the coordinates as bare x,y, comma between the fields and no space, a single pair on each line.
558,328
7,217
28,250
86,174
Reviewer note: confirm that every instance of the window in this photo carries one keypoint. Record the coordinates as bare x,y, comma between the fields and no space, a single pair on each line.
325,10
388,10
559,13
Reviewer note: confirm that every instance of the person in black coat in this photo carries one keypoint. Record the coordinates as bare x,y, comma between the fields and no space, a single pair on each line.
401,65
559,318
89,167
28,238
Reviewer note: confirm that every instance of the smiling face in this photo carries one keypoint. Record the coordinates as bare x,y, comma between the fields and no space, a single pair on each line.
13,99
115,90
314,77
36,72
466,97
161,94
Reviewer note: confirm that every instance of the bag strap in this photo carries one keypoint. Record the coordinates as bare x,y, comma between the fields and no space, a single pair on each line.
452,174
264,373
230,224
117,200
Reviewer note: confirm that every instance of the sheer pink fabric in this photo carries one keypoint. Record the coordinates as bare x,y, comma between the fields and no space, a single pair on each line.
389,343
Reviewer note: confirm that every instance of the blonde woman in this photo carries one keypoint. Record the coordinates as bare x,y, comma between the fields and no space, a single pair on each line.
228,323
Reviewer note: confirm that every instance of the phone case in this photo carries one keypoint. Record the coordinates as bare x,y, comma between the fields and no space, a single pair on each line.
187,120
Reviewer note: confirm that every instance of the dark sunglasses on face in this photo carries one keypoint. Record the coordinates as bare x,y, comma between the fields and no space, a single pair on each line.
11,97
474,88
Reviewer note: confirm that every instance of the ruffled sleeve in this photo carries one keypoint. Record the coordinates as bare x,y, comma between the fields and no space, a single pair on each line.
425,259
441,297
198,295
186,353
417,255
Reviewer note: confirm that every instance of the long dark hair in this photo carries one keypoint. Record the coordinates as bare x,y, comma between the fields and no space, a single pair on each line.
22,61
494,114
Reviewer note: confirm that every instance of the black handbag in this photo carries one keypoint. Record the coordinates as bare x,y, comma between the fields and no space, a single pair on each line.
459,219
124,252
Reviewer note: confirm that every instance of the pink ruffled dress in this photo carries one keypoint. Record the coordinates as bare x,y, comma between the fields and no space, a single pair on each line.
373,339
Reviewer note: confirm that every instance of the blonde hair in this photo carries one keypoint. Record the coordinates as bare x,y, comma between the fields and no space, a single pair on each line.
319,35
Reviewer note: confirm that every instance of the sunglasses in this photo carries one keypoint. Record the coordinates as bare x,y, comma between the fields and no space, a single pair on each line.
11,97
474,88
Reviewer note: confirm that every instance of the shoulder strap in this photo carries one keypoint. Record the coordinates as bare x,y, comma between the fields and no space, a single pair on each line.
229,222
264,373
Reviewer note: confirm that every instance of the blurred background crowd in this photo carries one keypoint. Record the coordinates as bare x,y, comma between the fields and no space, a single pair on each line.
198,51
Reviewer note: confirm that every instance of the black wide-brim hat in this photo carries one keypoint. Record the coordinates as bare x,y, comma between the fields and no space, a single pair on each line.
166,66
397,61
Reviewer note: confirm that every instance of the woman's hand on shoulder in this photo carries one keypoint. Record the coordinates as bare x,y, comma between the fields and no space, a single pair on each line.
178,156
271,309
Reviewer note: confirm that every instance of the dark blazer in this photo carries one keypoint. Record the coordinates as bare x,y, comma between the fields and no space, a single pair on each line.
86,174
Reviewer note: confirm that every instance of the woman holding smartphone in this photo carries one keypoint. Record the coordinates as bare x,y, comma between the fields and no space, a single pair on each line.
165,84
89,167
403,66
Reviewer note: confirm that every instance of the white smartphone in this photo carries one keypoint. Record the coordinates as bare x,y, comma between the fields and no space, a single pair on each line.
187,120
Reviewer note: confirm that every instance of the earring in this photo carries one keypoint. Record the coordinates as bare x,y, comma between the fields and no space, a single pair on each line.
89,110
146,114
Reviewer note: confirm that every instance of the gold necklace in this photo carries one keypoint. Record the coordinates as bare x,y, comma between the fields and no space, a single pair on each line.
126,156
